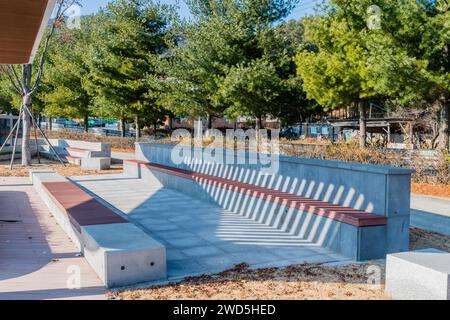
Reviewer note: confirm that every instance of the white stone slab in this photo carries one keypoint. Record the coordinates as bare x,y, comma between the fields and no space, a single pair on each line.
122,254
95,163
418,275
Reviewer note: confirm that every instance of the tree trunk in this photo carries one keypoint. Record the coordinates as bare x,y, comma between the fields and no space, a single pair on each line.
122,127
49,123
26,126
138,127
170,123
154,128
86,123
40,120
258,125
209,122
444,117
362,124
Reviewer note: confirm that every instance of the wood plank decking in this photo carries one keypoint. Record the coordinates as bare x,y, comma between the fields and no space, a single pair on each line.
37,259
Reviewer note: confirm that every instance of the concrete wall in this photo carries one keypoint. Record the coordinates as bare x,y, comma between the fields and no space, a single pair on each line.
357,243
98,149
377,189
7,152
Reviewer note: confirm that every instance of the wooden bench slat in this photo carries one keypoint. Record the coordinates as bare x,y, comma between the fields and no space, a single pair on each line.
340,213
81,208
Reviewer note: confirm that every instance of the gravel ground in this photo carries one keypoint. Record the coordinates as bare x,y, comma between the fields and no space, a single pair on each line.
68,170
297,282
438,190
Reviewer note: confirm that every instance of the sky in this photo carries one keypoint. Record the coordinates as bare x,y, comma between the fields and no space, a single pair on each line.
305,7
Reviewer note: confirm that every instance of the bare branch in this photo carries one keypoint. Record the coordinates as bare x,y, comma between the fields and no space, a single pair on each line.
15,83
63,6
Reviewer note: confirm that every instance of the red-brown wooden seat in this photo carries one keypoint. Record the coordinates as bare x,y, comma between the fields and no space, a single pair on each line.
81,208
76,149
340,213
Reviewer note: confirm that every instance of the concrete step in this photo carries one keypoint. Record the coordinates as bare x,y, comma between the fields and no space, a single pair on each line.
72,159
64,157
79,153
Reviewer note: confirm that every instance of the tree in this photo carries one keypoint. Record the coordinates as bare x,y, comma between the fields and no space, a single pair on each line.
334,70
231,55
389,51
197,64
26,87
128,39
6,99
269,85
411,57
251,89
65,76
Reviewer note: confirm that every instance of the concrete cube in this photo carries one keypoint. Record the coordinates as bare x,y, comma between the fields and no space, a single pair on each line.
95,163
122,254
418,275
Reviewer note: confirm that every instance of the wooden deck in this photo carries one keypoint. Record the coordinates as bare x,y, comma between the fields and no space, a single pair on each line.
37,259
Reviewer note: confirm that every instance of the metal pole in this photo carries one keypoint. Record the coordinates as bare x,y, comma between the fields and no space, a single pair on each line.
15,139
9,136
36,141
45,137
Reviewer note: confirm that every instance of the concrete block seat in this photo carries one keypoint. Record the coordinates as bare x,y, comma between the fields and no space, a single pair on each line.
89,155
357,234
418,275
119,252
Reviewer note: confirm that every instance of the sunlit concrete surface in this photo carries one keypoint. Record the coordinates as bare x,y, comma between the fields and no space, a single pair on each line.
37,259
199,236
430,213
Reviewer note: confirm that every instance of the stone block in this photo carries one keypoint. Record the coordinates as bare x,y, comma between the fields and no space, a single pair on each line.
418,275
122,254
95,163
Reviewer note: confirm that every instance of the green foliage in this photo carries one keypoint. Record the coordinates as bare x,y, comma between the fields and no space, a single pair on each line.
406,59
65,93
123,57
232,60
251,90
6,99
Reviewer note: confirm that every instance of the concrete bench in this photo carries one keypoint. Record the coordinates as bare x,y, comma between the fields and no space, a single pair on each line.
418,275
380,190
355,233
119,252
88,155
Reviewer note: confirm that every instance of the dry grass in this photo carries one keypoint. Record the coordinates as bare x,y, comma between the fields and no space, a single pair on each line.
127,150
438,190
67,171
420,239
297,282
116,142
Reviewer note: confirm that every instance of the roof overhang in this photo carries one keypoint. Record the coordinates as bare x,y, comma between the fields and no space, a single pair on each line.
22,26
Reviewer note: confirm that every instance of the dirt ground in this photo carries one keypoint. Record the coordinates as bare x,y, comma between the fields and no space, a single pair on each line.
68,170
438,190
298,282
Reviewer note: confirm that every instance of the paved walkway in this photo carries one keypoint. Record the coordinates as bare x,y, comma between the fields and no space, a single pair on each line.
37,259
430,213
119,157
199,236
